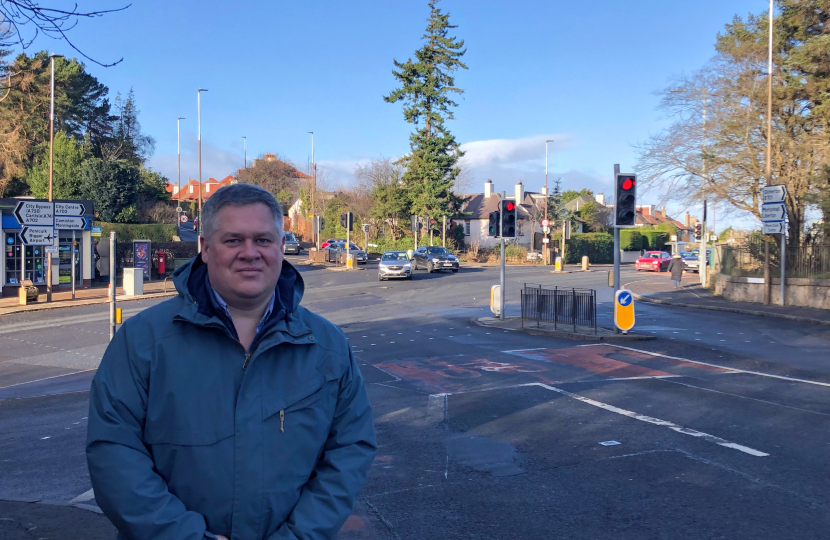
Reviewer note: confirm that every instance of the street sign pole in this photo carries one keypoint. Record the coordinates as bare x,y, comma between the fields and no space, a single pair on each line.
501,264
783,265
73,264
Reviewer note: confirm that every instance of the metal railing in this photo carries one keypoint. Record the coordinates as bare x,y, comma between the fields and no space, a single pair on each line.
810,260
569,307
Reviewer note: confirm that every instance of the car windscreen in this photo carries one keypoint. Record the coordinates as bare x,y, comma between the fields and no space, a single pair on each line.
437,251
289,237
653,255
395,257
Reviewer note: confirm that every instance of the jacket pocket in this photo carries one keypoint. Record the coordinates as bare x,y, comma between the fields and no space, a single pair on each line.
306,395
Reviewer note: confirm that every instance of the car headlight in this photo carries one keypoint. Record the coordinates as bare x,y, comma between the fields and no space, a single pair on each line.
407,266
435,260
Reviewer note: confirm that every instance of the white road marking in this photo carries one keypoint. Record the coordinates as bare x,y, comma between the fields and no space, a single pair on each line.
656,421
83,497
733,369
46,378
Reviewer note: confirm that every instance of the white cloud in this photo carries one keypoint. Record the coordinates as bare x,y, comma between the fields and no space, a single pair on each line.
512,152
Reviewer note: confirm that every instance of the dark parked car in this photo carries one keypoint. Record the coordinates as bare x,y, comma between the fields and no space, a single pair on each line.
434,259
292,245
691,261
336,248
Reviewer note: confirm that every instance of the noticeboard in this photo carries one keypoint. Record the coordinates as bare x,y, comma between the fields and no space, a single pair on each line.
141,256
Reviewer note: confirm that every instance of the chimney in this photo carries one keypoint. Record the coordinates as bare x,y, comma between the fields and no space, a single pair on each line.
686,220
545,191
600,198
488,189
663,213
520,192
645,210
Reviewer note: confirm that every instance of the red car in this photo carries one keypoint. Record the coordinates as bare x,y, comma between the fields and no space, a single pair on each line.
331,241
657,261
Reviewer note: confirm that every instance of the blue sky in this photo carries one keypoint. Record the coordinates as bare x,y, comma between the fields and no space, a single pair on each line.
582,73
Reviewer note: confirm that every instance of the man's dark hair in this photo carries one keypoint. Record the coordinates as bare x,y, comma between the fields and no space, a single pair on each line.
238,195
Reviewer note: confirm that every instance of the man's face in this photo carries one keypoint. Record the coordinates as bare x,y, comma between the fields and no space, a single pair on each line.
244,255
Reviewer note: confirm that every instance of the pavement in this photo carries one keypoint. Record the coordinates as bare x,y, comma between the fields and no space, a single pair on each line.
85,297
691,294
717,428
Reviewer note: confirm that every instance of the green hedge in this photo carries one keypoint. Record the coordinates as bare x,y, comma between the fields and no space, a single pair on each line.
655,240
631,240
599,247
127,232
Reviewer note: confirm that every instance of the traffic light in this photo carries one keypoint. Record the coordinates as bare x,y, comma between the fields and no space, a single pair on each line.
415,223
493,227
322,223
508,219
346,220
625,201
698,231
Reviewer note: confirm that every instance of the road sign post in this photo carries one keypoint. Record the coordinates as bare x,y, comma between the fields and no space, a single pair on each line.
774,216
501,259
616,245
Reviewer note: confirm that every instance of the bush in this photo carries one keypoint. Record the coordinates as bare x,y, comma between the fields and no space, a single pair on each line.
631,240
514,253
655,240
127,232
599,247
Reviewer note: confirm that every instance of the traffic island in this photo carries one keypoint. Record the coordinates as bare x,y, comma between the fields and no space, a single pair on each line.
581,333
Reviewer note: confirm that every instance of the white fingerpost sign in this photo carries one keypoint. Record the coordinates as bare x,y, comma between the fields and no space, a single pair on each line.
35,213
774,194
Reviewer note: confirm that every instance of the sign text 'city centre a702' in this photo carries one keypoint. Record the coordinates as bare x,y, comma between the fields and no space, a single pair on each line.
69,209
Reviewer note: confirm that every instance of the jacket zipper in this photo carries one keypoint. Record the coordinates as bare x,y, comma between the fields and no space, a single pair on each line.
282,420
247,359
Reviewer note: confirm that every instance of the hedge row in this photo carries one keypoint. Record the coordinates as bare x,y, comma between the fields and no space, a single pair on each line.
127,232
634,240
599,247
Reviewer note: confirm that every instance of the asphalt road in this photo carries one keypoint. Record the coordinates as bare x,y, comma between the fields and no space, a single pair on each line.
720,428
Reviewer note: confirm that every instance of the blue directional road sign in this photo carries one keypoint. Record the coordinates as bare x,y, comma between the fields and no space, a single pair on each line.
624,310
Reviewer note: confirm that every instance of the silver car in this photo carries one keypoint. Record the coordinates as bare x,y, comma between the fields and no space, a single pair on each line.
292,245
394,264
336,249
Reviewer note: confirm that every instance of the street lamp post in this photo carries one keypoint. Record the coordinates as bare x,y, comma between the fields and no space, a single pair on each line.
545,247
199,104
314,238
179,190
245,146
702,258
51,167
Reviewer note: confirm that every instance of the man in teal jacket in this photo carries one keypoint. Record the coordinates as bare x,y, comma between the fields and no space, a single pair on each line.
230,411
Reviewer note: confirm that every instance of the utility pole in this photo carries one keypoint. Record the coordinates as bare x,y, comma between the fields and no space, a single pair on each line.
702,257
444,234
199,104
501,259
51,167
179,154
545,245
245,146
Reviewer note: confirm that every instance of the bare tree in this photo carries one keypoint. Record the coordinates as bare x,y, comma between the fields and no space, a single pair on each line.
24,20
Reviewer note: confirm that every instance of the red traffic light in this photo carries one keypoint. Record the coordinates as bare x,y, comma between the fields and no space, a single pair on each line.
510,206
628,183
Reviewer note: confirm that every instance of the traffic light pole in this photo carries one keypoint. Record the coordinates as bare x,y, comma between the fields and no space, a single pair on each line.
616,240
501,264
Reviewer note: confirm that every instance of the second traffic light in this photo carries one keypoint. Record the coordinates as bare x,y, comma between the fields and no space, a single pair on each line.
346,220
698,231
508,219
493,224
625,200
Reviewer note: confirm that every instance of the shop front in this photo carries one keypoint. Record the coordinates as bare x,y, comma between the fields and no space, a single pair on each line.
19,262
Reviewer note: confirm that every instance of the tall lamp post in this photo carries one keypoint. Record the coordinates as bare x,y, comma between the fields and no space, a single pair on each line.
179,190
545,245
199,104
314,237
702,256
245,146
51,168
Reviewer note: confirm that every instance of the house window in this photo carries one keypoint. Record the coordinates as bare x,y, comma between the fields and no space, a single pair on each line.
191,189
467,228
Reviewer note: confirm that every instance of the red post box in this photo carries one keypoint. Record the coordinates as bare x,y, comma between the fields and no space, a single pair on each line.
162,256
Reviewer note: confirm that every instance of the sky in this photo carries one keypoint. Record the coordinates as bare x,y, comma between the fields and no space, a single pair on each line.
584,74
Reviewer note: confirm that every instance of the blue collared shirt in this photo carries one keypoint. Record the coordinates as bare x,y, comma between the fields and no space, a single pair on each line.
220,302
